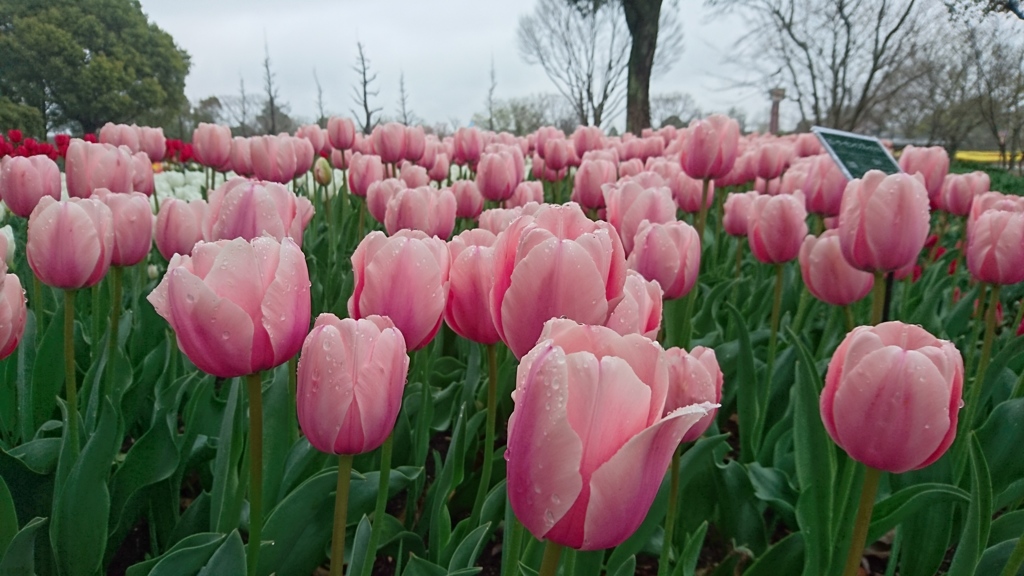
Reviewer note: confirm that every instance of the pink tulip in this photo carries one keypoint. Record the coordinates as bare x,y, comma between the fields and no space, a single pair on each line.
711,147
630,203
133,225
525,193
248,209
468,144
995,247
959,191
588,444
389,142
693,378
688,193
993,201
556,153
892,396
772,160
932,163
827,275
273,158
439,170
587,138
237,307
70,242
496,220
153,143
426,209
807,144
668,253
883,221
364,170
467,311
403,277
823,186
142,174
211,144
316,136
556,263
241,159
341,132
589,180
736,211
305,154
349,383
639,311
776,226
496,177
179,225
91,166
415,143
630,167
13,312
120,135
24,180
379,194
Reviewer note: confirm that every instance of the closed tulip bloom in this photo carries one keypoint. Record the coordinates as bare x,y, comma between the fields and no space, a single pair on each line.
823,186
688,193
273,158
316,136
364,170
133,226
556,263
415,143
179,225
525,193
379,194
639,311
323,174
341,132
587,138
776,227
736,212
248,209
630,167
772,160
932,163
426,209
630,203
883,221
241,159
468,144
349,383
153,143
993,201
389,142
807,144
959,191
496,177
24,180
995,247
588,444
305,154
711,147
668,253
693,378
591,176
556,153
467,311
413,175
439,170
403,277
892,395
496,220
211,144
237,307
827,275
70,243
13,311
120,135
468,200
91,166
142,174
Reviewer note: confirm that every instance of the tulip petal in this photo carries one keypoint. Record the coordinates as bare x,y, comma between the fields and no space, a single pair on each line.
285,309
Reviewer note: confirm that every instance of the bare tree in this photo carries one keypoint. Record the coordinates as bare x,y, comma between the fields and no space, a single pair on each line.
585,50
521,116
999,58
238,110
321,119
490,97
675,108
270,89
837,59
362,93
405,115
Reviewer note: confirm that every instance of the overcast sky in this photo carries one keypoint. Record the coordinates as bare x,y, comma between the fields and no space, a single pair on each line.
444,48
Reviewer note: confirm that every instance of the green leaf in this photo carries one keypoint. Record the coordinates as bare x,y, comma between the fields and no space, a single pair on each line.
8,516
184,558
19,556
419,567
359,553
469,549
228,559
785,557
300,527
82,509
24,358
48,374
279,430
1001,438
979,516
996,557
815,466
890,512
627,568
748,390
228,489
1009,526
691,551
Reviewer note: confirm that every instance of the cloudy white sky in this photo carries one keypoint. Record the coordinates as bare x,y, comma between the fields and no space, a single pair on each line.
444,48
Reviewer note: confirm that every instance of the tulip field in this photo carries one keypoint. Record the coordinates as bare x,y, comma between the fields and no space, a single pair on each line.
690,352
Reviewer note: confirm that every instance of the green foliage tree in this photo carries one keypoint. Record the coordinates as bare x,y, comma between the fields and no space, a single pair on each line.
82,63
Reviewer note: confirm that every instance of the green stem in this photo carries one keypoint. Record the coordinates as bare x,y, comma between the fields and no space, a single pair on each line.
293,428
802,309
97,326
37,307
512,542
381,504
549,565
686,332
860,527
254,383
1019,318
362,218
850,322
341,515
492,409
70,382
878,299
773,338
670,516
115,320
986,353
703,214
1018,390
1016,560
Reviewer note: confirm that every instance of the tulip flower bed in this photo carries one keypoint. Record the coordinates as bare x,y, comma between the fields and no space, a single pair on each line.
692,352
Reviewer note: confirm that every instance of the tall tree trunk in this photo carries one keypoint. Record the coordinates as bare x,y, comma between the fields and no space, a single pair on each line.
642,21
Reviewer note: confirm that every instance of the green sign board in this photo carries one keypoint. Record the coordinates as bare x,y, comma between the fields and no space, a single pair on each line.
855,153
